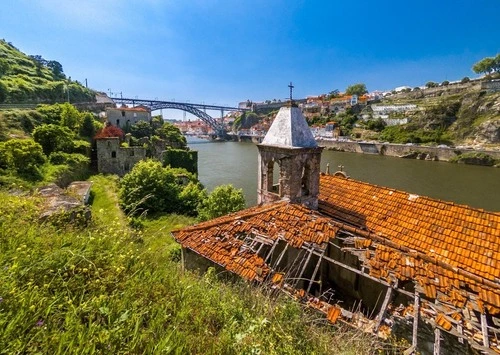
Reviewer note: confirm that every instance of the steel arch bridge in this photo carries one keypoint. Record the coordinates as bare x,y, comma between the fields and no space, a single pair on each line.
195,109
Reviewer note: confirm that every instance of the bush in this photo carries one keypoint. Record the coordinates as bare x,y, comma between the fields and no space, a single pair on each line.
465,79
180,158
72,159
153,188
223,200
22,156
474,159
54,138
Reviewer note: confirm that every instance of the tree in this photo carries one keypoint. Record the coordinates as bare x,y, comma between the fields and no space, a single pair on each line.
431,84
54,138
110,131
23,156
57,69
445,83
487,65
50,113
223,200
172,134
356,89
465,79
70,117
332,94
153,188
88,127
141,129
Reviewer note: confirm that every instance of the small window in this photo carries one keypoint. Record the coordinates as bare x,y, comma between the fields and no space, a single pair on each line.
117,122
126,167
123,113
113,154
132,153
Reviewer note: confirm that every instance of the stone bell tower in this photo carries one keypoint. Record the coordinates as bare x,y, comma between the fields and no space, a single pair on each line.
289,160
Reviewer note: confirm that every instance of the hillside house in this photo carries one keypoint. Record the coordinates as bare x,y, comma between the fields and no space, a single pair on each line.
124,117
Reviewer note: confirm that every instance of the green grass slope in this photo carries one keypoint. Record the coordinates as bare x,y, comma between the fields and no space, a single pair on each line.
32,79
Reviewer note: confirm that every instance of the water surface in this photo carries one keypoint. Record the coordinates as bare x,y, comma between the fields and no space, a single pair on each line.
236,163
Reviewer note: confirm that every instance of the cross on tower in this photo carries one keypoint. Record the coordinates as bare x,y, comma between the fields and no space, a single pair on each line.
291,90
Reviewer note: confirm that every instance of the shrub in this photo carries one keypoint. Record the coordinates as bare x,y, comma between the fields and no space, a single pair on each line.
72,159
474,159
54,138
151,187
223,200
22,156
180,158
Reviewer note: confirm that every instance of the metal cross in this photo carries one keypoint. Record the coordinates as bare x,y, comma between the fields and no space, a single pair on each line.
291,90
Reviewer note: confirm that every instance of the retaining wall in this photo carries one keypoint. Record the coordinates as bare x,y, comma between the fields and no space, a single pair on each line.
398,150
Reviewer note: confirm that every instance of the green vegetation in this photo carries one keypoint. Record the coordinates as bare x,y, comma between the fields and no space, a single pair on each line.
33,79
356,89
152,188
110,289
487,65
223,200
180,158
474,159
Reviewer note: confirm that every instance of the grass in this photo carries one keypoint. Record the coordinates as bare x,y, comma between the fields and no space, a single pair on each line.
110,289
105,201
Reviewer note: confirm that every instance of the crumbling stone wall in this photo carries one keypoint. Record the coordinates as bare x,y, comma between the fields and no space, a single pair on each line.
299,174
113,159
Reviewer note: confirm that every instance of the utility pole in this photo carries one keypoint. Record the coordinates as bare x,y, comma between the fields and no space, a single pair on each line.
67,88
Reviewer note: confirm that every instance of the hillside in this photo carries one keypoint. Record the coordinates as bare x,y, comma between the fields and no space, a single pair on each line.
466,114
107,288
32,79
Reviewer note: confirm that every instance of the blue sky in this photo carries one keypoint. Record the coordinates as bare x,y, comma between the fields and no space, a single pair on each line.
226,51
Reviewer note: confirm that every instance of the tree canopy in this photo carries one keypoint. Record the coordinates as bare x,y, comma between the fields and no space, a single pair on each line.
54,138
223,200
487,65
356,89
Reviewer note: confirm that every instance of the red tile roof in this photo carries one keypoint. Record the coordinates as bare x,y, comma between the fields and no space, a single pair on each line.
439,243
449,250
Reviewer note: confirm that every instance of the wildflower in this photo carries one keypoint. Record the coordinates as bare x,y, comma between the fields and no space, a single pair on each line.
1,299
39,323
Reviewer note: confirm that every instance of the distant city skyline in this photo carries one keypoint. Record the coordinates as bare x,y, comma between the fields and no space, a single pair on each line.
224,52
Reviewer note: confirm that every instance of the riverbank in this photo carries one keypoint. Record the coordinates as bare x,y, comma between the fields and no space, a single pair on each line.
404,150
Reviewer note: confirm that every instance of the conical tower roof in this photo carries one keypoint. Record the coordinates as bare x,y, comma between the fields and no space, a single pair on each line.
290,130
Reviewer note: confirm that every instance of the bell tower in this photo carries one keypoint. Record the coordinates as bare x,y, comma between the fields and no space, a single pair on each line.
289,160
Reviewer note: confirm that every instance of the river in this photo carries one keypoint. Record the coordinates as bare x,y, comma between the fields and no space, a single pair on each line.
477,186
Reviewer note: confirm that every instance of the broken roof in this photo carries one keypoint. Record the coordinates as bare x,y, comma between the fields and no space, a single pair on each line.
448,249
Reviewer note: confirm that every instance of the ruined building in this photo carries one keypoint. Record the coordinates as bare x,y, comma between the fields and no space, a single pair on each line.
114,159
383,260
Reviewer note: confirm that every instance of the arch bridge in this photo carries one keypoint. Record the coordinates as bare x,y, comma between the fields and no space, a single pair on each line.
198,110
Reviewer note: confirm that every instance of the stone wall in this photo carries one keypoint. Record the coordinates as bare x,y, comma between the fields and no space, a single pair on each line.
399,150
126,117
113,159
299,174
491,86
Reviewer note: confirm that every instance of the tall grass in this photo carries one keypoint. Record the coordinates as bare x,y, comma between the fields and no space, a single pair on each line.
109,289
